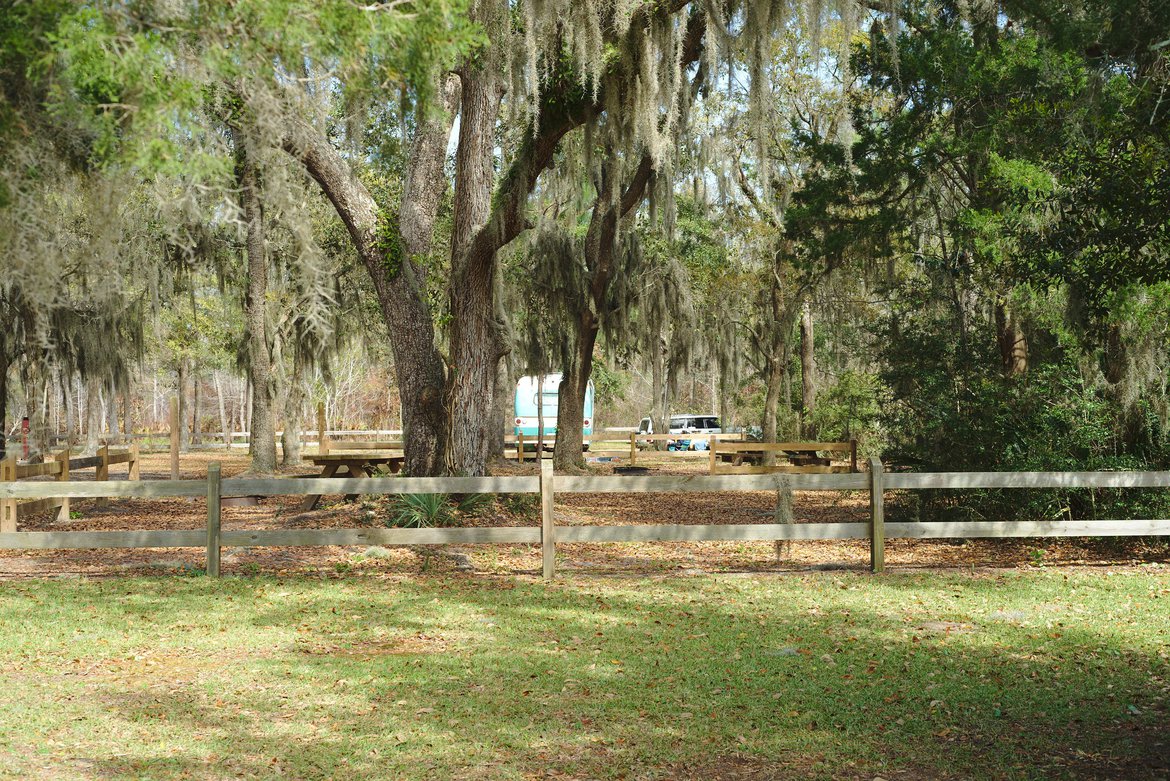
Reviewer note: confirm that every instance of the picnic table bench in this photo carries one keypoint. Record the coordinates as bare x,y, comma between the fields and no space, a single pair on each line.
801,457
355,465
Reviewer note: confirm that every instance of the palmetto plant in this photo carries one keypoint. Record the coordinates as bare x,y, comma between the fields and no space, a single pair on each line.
425,511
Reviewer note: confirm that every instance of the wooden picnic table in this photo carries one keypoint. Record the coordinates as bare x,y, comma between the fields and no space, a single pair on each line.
801,456
355,464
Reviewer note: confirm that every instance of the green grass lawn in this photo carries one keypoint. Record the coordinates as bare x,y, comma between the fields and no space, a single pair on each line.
1015,674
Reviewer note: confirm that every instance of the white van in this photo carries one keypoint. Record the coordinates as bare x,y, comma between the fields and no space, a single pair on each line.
685,424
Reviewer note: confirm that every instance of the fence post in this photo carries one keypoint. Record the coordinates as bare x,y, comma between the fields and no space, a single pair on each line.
62,477
213,519
174,438
520,447
133,467
322,436
633,448
877,516
548,545
711,440
102,473
8,506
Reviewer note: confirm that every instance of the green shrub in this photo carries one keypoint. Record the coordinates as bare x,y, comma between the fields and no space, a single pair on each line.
425,511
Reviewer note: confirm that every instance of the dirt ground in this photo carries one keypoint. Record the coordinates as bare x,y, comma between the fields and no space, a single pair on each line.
571,509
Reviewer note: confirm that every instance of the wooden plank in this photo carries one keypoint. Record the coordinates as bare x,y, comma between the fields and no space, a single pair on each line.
1110,528
877,517
548,543
783,469
38,470
380,485
336,446
88,462
335,457
798,447
135,463
713,532
119,458
921,480
39,506
703,483
153,489
102,473
134,539
308,537
63,476
322,432
213,519
8,506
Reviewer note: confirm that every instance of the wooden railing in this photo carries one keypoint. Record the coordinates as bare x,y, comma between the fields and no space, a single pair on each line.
59,467
876,482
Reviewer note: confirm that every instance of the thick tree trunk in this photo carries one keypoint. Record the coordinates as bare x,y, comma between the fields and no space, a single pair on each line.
569,450
93,416
3,400
476,341
503,394
38,407
808,373
1013,343
263,421
290,439
112,417
1115,359
184,375
775,384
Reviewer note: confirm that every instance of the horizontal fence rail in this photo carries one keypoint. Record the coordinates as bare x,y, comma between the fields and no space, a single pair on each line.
875,482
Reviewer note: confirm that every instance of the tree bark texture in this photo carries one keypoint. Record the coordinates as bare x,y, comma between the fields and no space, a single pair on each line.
808,373
3,399
93,416
476,341
503,395
1013,343
262,426
112,416
290,438
181,391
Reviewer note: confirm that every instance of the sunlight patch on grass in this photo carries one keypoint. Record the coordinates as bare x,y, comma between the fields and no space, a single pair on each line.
999,675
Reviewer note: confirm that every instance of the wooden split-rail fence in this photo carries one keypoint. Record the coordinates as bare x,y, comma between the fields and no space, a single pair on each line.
59,466
876,482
